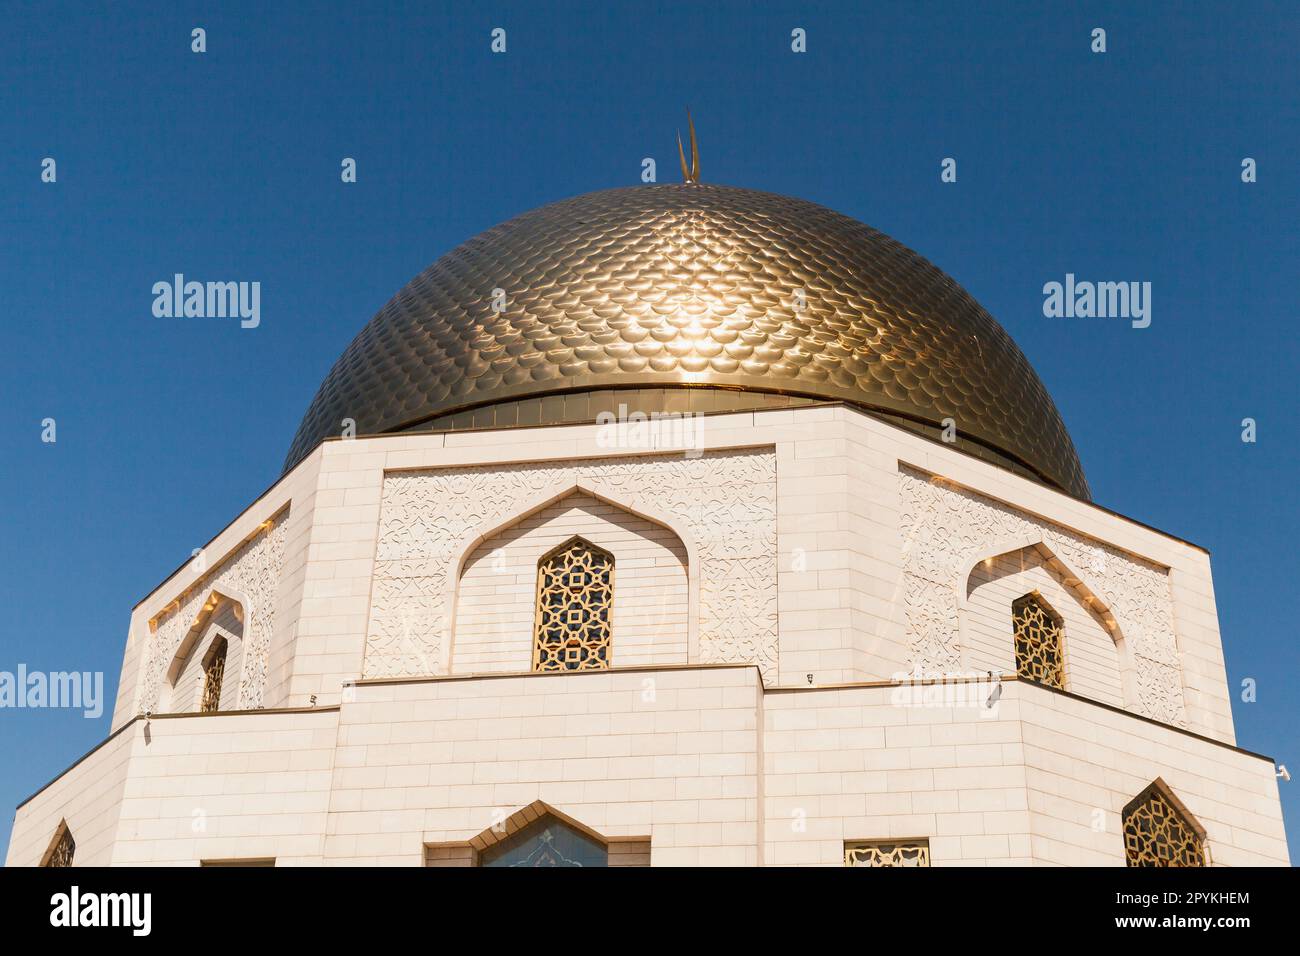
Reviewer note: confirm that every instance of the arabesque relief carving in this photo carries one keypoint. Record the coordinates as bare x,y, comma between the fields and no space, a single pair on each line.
725,501
253,571
945,527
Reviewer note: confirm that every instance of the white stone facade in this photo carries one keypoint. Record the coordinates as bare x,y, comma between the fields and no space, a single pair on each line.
768,593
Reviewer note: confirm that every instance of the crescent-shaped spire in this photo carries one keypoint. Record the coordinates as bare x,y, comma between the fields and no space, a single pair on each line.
691,175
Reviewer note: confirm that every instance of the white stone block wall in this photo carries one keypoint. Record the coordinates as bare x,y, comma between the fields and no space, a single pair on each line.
833,481
88,795
1085,763
665,752
685,756
849,763
227,786
1042,780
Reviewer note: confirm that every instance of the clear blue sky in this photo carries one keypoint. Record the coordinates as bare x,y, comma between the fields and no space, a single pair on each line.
1122,166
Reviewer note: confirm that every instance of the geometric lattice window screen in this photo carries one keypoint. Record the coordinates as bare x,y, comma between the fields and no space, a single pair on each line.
1159,832
64,849
575,599
913,853
546,842
214,669
1038,631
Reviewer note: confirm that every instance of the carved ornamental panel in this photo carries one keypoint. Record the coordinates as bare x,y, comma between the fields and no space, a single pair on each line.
253,570
946,527
725,503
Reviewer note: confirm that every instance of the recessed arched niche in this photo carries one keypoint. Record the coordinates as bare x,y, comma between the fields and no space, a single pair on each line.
641,585
998,591
205,672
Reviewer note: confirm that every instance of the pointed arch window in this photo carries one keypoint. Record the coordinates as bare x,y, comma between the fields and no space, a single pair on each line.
575,598
1159,831
1038,636
546,842
214,670
63,849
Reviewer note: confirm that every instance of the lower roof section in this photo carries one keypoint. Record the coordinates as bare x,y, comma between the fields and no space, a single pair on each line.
702,760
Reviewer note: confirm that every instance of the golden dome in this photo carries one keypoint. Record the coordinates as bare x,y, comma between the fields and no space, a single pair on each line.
735,293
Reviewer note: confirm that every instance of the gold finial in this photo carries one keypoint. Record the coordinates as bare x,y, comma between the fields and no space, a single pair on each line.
691,175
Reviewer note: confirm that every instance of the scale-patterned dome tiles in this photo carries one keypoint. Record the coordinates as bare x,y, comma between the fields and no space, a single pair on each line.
654,286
